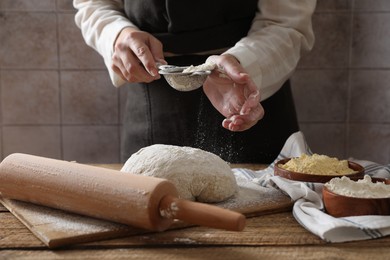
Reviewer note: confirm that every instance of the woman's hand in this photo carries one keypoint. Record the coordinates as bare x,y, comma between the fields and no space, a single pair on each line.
135,56
233,93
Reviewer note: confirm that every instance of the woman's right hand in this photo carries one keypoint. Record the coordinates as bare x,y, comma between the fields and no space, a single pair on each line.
135,56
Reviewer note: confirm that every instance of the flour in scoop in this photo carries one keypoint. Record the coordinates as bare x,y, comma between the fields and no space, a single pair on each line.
202,67
363,188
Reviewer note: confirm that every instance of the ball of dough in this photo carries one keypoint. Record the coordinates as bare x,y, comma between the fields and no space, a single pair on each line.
197,174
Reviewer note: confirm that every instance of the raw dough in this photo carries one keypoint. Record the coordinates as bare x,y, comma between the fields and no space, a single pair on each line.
197,174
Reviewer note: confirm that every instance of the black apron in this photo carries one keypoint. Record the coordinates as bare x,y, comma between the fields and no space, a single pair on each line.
157,114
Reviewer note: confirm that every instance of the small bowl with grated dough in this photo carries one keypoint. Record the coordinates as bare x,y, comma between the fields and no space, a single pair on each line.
344,197
316,168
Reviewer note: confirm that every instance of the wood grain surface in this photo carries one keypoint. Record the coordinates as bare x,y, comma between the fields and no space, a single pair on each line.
276,236
273,236
215,253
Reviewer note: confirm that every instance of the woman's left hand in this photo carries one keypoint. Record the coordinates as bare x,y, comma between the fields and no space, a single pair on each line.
233,93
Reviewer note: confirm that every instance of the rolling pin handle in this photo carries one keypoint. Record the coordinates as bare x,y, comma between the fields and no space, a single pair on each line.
201,214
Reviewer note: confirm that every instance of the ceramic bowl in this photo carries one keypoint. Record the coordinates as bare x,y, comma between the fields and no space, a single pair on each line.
297,176
345,206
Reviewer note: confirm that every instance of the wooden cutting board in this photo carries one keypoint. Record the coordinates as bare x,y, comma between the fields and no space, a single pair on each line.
56,228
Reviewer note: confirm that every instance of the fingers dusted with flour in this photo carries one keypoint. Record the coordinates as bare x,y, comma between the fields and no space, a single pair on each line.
233,93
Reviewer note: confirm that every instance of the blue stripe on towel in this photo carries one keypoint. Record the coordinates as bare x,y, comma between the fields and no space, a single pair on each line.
371,232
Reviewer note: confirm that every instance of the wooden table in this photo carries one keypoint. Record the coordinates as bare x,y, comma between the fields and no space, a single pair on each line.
275,236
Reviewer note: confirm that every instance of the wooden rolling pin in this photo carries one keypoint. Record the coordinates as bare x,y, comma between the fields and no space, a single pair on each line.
140,201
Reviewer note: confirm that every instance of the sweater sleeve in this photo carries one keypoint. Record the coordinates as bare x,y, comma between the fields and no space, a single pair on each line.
100,23
281,32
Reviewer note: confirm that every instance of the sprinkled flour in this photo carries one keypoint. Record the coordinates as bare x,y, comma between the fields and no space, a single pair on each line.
363,188
170,212
59,221
208,136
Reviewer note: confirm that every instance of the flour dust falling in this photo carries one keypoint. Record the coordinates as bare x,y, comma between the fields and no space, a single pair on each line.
208,135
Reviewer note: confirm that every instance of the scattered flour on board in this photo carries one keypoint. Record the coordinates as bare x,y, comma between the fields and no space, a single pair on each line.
253,197
185,240
60,221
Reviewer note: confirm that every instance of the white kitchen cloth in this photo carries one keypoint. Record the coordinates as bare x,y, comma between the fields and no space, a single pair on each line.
308,208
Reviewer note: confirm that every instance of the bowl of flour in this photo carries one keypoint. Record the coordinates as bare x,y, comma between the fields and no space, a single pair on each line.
355,197
316,168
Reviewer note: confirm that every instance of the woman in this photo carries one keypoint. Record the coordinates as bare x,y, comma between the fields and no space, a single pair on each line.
256,45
